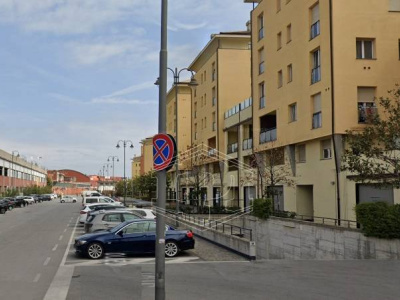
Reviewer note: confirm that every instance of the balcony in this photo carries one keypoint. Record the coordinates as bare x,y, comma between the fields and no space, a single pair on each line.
214,101
232,148
247,144
267,135
315,30
316,75
239,113
317,120
214,126
366,112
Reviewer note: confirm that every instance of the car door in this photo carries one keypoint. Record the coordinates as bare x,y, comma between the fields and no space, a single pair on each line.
111,220
150,238
134,238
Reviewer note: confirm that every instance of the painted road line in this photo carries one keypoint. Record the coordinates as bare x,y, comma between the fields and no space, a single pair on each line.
37,277
60,285
55,248
46,262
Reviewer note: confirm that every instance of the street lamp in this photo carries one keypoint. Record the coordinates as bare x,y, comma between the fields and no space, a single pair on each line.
12,167
192,83
124,143
113,158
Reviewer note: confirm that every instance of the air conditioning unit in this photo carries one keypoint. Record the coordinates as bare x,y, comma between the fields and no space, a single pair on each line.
327,153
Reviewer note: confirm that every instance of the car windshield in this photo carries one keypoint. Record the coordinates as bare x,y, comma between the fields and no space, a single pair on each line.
118,227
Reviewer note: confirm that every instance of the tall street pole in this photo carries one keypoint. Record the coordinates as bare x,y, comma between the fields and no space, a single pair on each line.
161,175
124,143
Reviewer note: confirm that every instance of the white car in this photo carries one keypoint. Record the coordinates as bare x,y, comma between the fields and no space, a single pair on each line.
30,200
145,213
68,199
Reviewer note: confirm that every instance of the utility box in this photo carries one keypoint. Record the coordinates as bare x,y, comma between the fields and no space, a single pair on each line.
252,250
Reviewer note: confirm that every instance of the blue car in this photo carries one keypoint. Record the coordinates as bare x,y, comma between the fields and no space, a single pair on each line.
133,237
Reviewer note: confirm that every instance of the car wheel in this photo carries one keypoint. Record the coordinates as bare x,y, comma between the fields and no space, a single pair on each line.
74,201
10,208
2,211
95,251
171,249
62,201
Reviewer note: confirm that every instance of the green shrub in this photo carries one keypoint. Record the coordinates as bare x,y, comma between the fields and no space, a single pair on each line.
379,219
262,208
284,214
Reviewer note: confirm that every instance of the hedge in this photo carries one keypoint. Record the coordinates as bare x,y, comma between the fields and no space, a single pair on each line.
379,219
262,208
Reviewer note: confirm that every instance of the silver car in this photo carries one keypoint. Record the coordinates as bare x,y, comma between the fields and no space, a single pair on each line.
107,219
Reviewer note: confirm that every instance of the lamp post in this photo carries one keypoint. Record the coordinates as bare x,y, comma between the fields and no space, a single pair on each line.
113,158
124,143
176,73
12,167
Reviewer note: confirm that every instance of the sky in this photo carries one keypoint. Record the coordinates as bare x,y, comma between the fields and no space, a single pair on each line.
77,76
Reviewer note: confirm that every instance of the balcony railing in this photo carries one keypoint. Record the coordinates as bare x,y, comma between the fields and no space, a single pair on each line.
214,101
267,135
366,112
314,30
214,126
316,75
212,152
261,68
317,120
239,107
261,33
262,102
247,144
232,148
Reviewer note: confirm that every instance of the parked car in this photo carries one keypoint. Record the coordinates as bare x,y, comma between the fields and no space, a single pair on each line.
9,204
18,201
3,207
107,219
91,200
83,213
68,199
144,212
36,198
46,197
29,199
133,237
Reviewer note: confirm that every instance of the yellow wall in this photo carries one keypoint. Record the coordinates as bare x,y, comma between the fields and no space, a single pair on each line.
135,166
147,155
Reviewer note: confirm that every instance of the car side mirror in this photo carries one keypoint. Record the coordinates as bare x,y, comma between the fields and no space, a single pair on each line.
120,233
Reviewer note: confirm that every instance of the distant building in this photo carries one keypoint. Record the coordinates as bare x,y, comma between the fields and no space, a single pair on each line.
136,166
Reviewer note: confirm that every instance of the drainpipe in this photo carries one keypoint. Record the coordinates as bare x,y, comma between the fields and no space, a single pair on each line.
337,167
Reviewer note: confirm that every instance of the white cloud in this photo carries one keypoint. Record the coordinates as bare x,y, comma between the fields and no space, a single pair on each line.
131,89
115,100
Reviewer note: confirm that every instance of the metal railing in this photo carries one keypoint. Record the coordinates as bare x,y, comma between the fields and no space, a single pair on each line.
232,148
317,120
316,75
315,30
247,144
268,135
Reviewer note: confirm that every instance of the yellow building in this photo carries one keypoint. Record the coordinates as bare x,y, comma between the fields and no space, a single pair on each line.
146,162
223,75
316,68
135,165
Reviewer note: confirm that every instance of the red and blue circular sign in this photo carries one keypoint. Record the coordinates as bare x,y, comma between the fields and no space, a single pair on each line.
164,151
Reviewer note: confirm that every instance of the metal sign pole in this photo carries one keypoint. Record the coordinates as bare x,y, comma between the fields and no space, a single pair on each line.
161,175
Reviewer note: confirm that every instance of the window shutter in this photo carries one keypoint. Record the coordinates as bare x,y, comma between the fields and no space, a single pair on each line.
317,102
366,94
315,14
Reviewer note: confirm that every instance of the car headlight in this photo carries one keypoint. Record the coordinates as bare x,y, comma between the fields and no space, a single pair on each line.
81,242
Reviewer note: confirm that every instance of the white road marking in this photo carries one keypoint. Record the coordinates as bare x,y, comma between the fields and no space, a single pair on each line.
55,248
37,277
46,262
60,285
60,238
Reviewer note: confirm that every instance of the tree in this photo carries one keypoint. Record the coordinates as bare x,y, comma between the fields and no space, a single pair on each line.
373,153
273,171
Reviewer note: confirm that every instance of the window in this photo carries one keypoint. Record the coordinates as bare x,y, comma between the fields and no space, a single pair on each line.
205,122
280,79
394,5
261,89
205,99
195,131
289,73
301,153
365,104
315,30
195,109
261,61
279,40
260,25
112,218
317,115
326,151
278,5
202,123
128,217
214,98
316,66
365,48
293,112
214,126
205,75
289,33
213,72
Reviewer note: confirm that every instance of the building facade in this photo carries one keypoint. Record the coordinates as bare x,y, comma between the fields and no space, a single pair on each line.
135,165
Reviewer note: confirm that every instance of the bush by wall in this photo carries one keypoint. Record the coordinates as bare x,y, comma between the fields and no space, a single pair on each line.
379,219
262,208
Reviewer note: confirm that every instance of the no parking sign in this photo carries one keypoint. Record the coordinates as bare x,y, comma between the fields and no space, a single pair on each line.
164,151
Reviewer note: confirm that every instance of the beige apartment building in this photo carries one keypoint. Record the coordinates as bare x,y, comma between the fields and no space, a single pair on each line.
135,166
223,75
146,157
316,68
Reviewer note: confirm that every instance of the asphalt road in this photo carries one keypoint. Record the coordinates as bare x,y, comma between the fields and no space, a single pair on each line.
37,262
